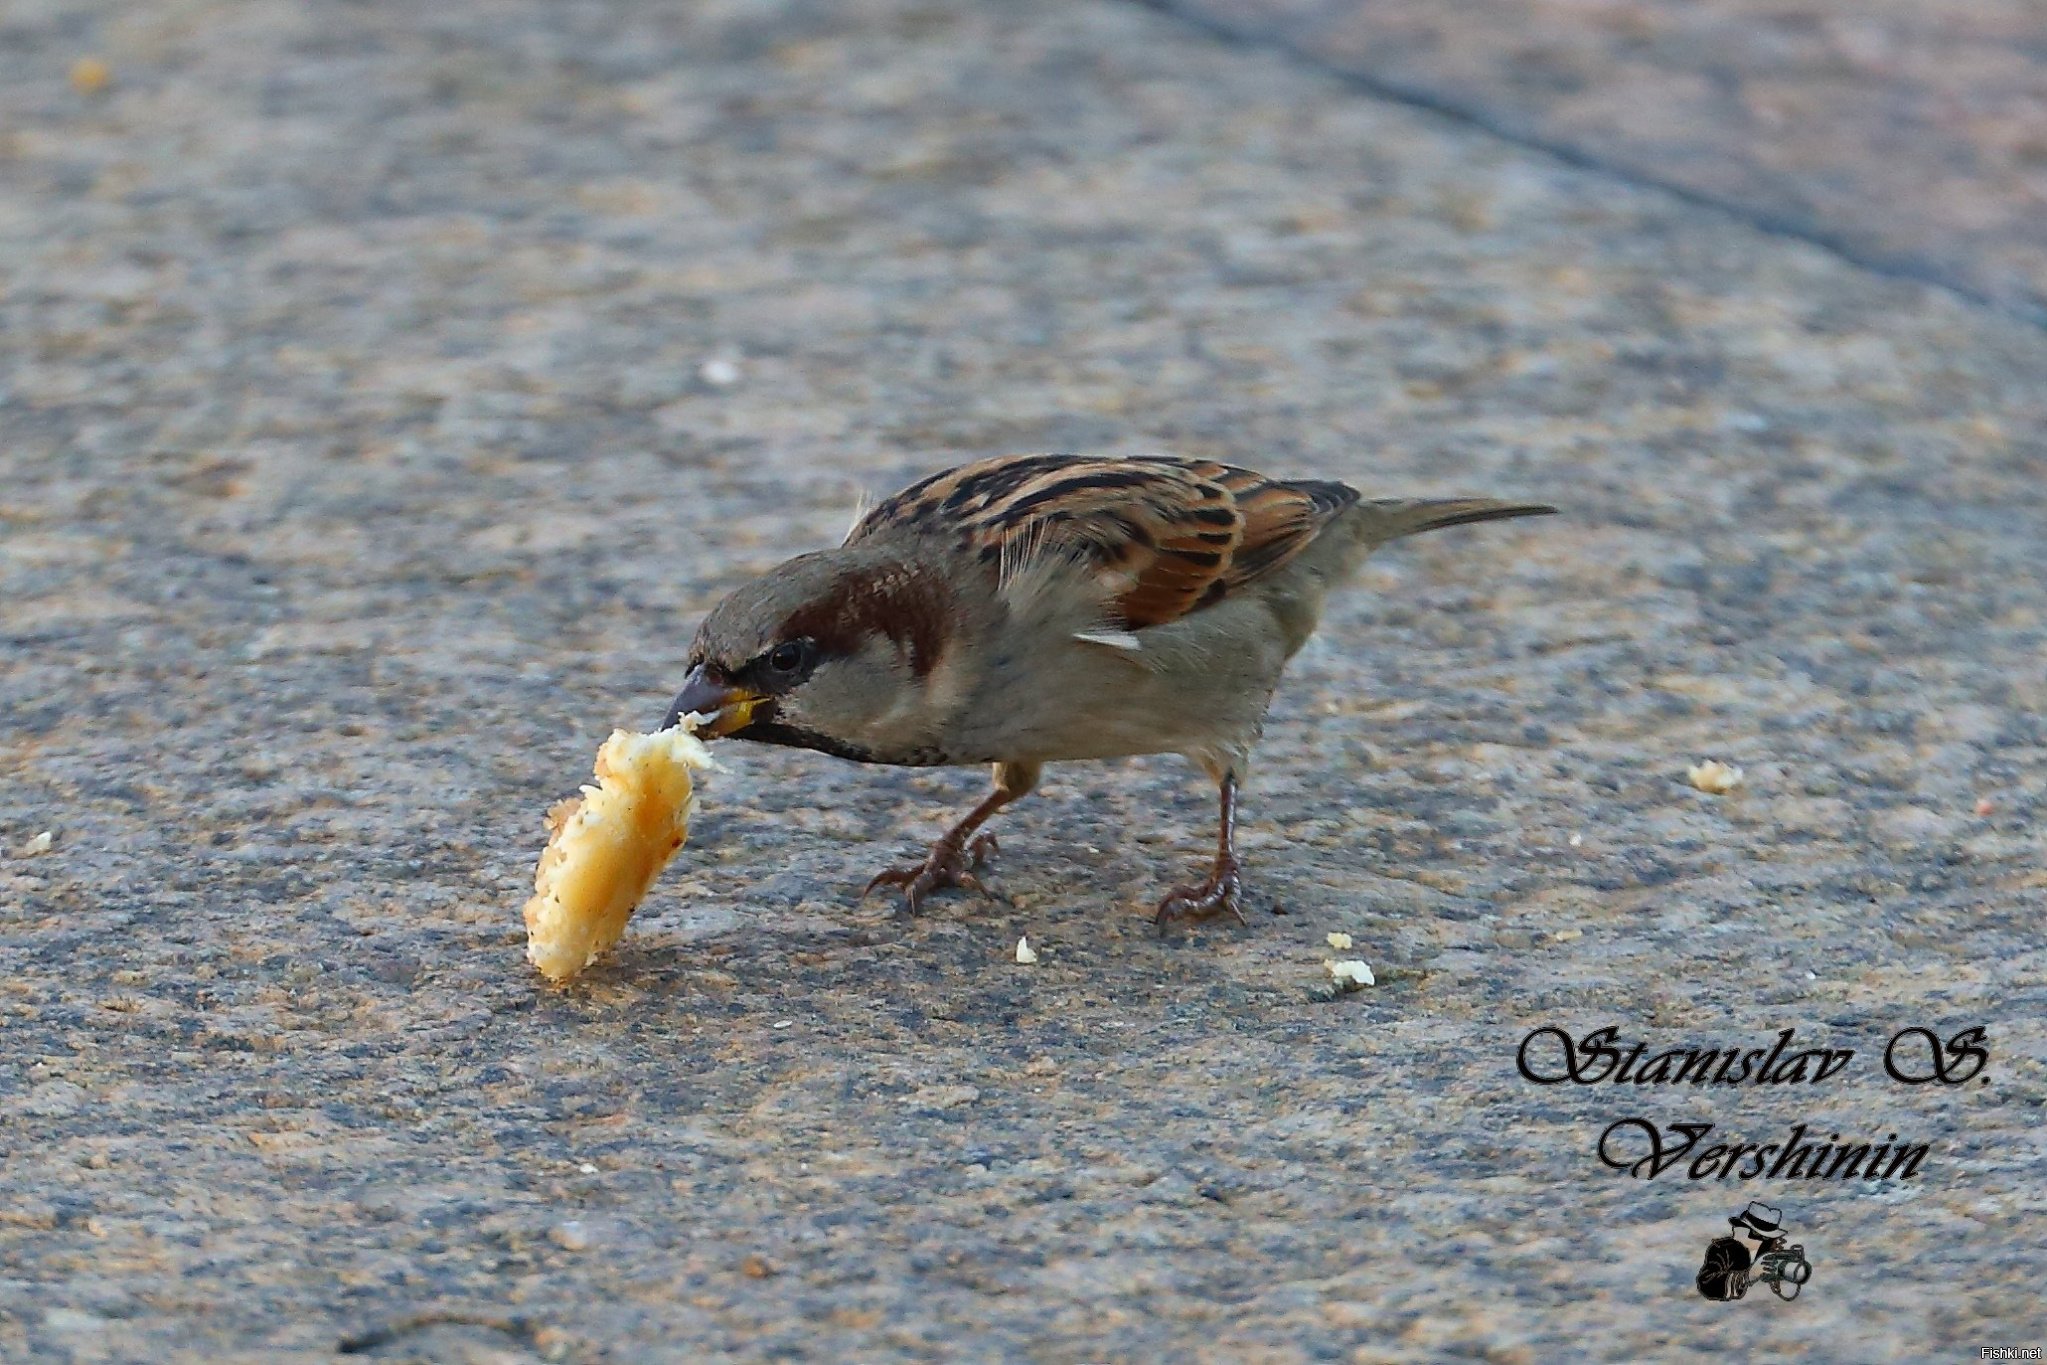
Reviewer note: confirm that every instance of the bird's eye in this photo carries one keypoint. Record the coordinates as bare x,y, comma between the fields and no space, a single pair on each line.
787,659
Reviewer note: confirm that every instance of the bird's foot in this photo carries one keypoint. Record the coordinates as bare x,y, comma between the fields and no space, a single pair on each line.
948,864
1223,890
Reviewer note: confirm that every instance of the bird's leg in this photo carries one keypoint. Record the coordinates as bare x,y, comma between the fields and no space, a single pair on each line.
1224,885
957,858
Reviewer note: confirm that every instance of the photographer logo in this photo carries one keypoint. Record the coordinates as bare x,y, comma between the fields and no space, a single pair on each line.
1731,1268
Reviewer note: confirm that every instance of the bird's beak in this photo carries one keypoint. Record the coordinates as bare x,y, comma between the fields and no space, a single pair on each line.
725,708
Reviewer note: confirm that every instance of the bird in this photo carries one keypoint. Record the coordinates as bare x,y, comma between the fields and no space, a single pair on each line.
1030,609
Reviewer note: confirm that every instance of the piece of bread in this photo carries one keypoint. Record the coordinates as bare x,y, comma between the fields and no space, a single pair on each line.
605,849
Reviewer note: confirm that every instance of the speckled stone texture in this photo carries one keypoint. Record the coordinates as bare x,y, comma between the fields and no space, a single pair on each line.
1911,133
386,389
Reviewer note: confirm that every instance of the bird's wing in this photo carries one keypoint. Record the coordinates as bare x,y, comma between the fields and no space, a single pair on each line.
1165,537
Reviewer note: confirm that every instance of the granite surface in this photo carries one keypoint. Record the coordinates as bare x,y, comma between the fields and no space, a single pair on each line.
385,390
1910,135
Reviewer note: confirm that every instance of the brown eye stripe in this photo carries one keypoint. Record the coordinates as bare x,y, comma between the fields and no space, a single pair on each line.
908,607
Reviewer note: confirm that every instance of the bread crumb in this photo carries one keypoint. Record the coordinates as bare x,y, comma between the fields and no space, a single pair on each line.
90,75
1025,954
756,1266
1350,974
1985,806
40,844
605,848
1568,935
1339,941
1714,776
1577,840
570,1236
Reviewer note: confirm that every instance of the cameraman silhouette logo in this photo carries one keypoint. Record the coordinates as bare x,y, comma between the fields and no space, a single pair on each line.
1730,1269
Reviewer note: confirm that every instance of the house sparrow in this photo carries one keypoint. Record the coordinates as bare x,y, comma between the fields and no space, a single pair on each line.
1031,609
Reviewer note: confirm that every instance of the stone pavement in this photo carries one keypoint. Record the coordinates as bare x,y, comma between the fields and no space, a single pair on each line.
1910,135
385,390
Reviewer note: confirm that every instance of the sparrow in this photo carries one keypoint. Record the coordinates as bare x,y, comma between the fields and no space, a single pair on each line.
1035,609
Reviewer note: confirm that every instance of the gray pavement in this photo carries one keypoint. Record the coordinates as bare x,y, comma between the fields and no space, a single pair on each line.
1909,135
360,468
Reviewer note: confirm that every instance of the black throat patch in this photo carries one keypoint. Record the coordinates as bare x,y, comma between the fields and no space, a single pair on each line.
796,737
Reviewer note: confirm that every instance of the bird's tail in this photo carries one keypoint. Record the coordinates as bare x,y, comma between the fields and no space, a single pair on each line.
1384,519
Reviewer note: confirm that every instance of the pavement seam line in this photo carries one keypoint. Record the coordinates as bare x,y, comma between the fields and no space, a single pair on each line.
1907,269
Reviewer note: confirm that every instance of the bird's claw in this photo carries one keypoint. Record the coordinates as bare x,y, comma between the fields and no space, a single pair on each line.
1223,890
946,865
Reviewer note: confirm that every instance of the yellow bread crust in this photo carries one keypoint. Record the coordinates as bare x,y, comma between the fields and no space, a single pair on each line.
605,848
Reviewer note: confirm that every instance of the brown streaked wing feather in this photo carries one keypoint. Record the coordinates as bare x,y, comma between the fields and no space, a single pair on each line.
954,498
1181,534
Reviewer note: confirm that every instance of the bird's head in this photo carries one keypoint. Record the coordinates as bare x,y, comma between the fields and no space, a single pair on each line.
846,651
